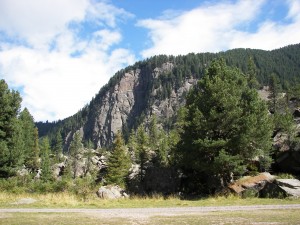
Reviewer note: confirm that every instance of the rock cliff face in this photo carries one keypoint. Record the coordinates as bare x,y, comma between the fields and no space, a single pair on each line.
131,99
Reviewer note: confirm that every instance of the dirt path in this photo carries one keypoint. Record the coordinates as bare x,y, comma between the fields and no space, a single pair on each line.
149,212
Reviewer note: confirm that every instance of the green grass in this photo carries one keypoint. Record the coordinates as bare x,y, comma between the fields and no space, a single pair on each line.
67,200
239,217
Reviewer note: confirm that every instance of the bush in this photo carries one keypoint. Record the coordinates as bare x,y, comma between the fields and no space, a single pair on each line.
84,187
13,185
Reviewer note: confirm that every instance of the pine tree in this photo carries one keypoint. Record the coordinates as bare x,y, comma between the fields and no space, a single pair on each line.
58,146
74,150
17,153
153,132
45,160
132,146
89,154
226,126
118,163
163,149
251,74
30,138
10,102
275,89
142,153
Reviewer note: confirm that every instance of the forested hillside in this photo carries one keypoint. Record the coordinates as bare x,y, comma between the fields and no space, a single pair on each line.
163,78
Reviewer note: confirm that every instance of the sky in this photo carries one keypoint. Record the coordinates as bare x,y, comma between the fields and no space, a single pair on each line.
59,53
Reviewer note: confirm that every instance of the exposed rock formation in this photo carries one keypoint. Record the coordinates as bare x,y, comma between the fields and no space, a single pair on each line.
266,186
121,105
84,165
111,192
282,188
251,185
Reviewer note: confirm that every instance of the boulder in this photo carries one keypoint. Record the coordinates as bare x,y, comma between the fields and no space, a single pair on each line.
281,142
111,192
282,188
58,169
251,185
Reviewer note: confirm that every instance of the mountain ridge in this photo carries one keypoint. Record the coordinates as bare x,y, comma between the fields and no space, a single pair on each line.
158,85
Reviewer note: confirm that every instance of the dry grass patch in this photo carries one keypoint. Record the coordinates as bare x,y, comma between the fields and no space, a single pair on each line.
67,200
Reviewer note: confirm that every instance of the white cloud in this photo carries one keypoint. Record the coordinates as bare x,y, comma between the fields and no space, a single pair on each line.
271,34
58,70
37,22
221,26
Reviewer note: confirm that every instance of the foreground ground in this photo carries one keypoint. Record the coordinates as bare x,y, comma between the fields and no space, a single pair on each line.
66,208
255,214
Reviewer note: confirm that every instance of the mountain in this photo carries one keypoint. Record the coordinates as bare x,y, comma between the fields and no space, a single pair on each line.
158,86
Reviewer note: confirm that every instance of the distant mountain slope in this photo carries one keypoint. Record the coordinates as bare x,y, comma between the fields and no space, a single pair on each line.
158,85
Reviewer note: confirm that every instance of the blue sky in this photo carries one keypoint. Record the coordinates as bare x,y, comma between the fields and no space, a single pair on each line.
59,53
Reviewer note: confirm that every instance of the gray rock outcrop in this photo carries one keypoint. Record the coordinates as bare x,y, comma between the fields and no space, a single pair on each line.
266,185
111,192
121,105
282,188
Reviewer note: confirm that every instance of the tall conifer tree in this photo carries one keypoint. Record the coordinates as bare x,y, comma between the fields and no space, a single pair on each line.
45,160
118,163
226,126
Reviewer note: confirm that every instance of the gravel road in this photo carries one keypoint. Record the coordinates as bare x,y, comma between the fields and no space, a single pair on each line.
148,212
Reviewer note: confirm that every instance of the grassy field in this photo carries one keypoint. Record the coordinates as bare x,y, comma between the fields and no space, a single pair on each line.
66,200
239,217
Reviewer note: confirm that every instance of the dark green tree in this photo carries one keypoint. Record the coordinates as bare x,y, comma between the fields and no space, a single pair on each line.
275,89
10,102
132,146
153,132
45,160
17,153
118,163
143,150
89,153
251,74
58,146
74,150
30,138
225,127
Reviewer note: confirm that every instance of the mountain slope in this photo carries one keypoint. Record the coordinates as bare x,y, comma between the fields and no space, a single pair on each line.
158,86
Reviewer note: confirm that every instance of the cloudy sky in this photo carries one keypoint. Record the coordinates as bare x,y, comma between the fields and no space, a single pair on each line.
59,53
